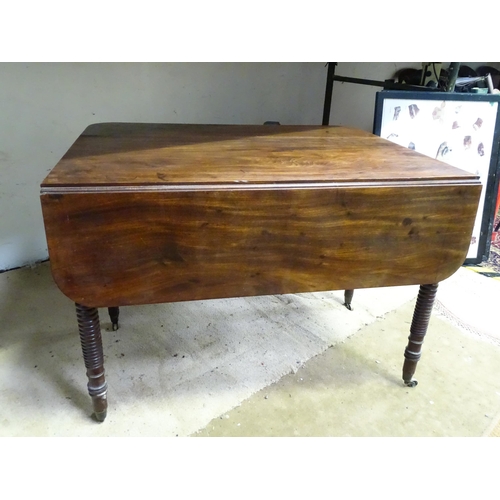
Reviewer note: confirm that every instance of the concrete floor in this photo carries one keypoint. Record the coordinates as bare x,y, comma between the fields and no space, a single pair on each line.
354,389
295,365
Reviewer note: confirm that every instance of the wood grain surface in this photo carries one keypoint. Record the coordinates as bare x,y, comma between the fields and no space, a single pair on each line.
121,248
146,213
131,154
142,214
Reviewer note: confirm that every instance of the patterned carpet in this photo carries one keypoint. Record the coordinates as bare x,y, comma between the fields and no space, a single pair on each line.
493,263
494,259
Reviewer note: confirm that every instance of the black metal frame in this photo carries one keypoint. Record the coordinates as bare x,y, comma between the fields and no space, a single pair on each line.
492,183
386,85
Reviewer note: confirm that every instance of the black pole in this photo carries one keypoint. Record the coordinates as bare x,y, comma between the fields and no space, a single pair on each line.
328,92
453,71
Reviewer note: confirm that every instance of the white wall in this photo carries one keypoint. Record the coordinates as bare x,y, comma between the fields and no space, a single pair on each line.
354,105
45,106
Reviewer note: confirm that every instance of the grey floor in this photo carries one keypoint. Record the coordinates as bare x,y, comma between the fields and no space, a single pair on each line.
298,365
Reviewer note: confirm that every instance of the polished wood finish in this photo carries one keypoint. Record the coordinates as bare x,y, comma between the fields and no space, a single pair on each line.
348,294
91,342
141,214
145,247
134,154
114,313
147,213
418,329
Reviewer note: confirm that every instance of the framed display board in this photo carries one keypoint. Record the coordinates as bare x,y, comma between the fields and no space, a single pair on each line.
462,130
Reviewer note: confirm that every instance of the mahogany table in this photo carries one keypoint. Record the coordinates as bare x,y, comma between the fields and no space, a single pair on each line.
150,213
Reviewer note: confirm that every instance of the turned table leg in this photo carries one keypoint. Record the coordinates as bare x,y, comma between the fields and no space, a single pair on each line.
348,298
418,329
90,338
114,312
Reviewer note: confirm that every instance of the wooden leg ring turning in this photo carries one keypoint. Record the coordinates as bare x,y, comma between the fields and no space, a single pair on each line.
418,329
90,338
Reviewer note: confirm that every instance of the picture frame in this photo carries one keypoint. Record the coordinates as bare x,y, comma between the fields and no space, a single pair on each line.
461,129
